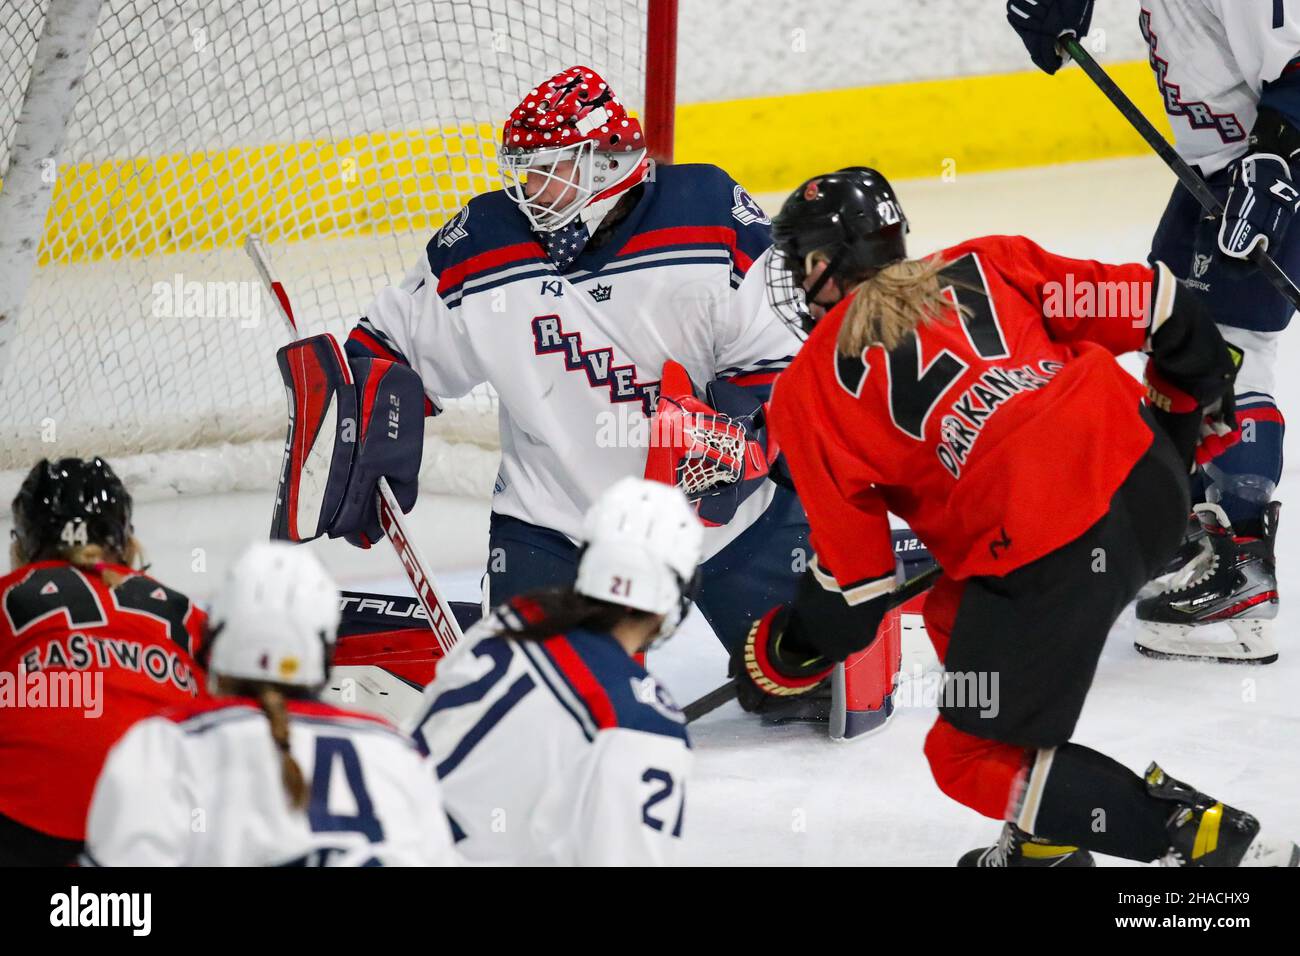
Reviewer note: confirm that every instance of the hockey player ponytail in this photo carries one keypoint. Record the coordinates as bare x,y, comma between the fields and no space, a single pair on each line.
277,714
891,303
553,612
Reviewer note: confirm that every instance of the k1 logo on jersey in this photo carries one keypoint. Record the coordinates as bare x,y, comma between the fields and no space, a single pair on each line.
598,364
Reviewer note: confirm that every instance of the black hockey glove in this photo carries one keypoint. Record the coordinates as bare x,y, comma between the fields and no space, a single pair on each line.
1040,24
1192,371
1263,197
790,650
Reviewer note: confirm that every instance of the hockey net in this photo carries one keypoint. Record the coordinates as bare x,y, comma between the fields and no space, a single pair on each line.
342,132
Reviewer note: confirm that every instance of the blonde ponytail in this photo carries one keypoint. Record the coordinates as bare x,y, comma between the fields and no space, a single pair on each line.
890,305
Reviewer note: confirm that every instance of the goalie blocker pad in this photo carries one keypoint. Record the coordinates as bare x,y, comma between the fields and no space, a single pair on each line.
351,422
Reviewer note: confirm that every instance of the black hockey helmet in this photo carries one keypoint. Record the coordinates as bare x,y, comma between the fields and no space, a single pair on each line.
69,502
852,217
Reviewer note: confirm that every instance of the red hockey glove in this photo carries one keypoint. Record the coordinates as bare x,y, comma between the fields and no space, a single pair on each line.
765,667
712,457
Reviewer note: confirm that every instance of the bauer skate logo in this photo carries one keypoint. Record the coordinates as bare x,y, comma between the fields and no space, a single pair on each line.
454,230
1198,114
597,364
746,211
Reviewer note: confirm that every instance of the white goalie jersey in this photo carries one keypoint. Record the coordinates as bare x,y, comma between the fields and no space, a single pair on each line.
556,752
575,356
202,787
1211,59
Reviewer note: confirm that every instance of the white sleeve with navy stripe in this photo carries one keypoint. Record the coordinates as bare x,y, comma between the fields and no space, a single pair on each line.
576,356
556,752
202,787
1212,59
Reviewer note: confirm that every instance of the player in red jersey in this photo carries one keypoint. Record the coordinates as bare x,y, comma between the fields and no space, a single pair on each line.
975,394
88,645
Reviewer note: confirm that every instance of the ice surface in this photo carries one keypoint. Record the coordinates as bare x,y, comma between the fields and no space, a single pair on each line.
790,796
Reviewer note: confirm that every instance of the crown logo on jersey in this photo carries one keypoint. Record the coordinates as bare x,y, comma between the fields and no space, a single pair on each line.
601,293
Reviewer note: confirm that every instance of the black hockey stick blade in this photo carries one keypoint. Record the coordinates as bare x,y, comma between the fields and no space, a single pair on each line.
1189,177
727,692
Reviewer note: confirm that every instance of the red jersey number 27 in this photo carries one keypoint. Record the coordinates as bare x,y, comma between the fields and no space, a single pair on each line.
914,390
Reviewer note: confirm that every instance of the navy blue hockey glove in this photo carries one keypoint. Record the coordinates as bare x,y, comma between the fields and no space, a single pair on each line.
1263,197
1040,24
349,426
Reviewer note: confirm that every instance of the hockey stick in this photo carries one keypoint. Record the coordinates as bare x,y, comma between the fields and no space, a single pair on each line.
897,597
443,622
1189,177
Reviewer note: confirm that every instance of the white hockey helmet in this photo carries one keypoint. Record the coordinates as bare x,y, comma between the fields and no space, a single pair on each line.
643,543
275,617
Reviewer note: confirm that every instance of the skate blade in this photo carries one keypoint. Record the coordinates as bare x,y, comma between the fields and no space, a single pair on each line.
1238,642
1260,853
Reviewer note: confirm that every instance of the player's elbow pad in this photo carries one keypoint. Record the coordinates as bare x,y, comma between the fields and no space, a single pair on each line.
350,425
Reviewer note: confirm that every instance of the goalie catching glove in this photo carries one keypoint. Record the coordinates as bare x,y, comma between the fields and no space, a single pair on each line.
351,422
791,649
1192,371
715,451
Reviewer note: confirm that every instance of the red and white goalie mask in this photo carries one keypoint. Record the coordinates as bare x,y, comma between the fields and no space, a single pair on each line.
570,149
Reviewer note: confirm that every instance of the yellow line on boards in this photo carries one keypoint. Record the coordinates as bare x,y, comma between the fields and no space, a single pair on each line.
413,180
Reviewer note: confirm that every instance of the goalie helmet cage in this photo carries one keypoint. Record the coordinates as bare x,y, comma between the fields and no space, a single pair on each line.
141,141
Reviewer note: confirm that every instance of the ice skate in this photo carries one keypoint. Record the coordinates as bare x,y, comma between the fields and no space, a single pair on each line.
1220,605
1206,832
1017,848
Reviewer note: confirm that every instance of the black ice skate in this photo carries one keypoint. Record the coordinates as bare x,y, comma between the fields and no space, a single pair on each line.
1017,848
1205,832
1187,550
1220,605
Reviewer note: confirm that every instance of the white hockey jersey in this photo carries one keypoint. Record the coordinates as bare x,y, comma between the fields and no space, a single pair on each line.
1211,59
200,786
556,752
576,356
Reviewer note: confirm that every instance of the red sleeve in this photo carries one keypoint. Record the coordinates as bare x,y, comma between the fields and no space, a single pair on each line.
846,513
1079,299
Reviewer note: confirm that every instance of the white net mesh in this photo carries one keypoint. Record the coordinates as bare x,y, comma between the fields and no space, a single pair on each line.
342,131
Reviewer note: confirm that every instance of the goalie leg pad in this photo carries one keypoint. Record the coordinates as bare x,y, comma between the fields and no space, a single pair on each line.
322,403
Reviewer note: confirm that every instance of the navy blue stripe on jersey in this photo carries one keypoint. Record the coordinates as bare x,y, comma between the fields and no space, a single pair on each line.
491,717
762,365
705,260
560,690
639,702
482,282
457,831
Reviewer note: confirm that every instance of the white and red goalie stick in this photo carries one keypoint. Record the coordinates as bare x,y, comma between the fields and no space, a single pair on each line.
443,622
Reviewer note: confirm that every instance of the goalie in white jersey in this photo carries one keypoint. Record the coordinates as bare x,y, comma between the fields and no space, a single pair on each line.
553,745
567,291
1229,75
264,774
